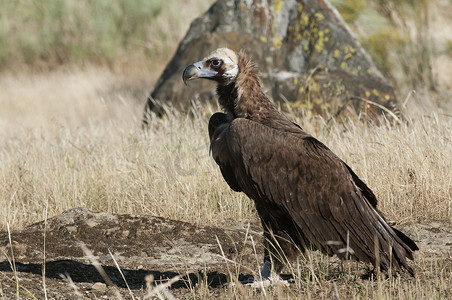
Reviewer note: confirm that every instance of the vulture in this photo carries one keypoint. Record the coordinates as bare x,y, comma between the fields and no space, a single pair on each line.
307,198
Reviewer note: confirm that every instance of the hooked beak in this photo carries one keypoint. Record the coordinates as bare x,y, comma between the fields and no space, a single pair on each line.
197,70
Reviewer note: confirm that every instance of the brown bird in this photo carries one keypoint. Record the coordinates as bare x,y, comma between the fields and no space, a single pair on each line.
306,196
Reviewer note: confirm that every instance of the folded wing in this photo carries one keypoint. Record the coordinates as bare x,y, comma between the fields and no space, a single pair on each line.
330,206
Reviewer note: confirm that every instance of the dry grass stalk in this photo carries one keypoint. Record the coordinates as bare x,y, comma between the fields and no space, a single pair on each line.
85,148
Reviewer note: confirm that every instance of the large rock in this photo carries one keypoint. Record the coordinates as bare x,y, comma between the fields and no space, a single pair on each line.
305,52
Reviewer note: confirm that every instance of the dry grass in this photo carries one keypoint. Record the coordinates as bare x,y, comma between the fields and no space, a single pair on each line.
314,278
67,139
75,144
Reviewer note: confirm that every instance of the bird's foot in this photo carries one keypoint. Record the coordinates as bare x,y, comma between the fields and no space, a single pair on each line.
262,282
265,282
267,278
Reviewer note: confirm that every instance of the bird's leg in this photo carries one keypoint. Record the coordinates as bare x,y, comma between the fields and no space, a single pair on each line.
266,269
265,274
272,267
268,277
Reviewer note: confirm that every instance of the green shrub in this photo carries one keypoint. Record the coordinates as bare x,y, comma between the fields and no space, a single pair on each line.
385,28
350,9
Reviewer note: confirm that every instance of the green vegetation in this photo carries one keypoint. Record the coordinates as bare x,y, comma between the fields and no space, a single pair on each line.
48,33
398,36
350,9
448,48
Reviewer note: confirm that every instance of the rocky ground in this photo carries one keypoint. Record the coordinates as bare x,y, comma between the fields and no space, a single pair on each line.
80,248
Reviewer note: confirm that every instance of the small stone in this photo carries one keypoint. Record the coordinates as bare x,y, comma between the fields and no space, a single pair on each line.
435,225
99,286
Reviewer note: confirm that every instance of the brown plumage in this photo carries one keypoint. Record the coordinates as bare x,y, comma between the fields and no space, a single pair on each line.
306,197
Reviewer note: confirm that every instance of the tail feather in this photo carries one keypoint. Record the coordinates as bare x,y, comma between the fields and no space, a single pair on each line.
403,249
409,242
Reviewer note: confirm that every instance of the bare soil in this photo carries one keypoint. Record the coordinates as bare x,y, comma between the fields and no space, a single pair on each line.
146,245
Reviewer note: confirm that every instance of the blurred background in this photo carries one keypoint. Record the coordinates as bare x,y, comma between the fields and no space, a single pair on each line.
409,40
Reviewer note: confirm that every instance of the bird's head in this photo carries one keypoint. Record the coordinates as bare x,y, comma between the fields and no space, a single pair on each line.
220,65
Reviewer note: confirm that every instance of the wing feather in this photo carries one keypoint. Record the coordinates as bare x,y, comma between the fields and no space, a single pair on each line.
319,192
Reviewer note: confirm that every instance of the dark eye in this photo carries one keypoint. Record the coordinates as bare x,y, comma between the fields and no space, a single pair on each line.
215,62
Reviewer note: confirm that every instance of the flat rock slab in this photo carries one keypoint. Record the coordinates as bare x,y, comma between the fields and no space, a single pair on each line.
145,245
135,241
